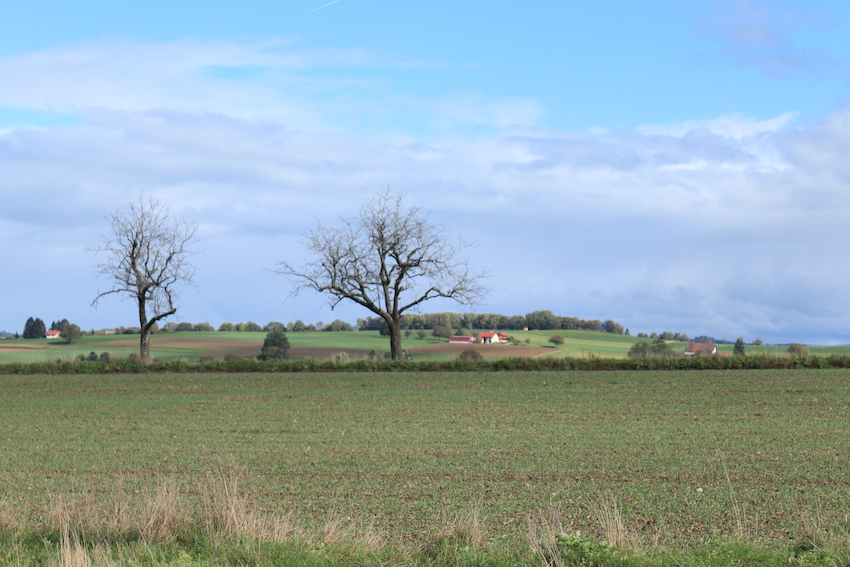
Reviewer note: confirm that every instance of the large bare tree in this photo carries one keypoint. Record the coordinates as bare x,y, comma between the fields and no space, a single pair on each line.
146,259
389,259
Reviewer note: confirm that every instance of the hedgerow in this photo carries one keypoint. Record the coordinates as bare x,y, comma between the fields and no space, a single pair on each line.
250,364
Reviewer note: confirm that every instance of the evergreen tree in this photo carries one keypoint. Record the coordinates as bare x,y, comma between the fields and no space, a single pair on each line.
739,349
28,328
39,330
34,329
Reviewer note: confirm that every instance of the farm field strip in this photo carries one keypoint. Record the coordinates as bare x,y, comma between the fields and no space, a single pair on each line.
687,455
358,344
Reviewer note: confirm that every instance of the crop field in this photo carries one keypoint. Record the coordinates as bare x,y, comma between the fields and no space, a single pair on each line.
686,456
191,346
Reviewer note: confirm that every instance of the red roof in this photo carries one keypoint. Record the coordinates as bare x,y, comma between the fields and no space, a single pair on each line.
461,339
491,334
700,347
53,333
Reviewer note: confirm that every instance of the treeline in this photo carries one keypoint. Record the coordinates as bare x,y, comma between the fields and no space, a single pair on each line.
535,321
250,326
35,328
668,336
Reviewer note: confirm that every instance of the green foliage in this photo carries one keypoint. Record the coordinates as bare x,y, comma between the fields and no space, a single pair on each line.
275,347
442,331
657,348
798,350
556,339
71,332
34,329
337,325
470,354
739,349
340,358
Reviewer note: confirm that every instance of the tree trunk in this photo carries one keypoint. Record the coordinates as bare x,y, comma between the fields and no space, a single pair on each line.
145,340
145,346
395,339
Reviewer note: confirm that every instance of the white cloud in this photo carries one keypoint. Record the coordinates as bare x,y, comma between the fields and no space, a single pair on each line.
731,226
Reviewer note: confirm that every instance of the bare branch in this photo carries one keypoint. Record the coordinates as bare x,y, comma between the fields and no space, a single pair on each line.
146,257
389,259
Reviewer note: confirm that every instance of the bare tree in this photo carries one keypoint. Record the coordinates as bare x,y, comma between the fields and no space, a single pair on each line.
146,258
389,259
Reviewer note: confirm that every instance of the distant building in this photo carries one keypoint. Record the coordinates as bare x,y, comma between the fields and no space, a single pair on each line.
700,349
52,334
489,337
461,340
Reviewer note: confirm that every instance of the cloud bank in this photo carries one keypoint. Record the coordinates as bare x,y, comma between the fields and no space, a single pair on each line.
732,226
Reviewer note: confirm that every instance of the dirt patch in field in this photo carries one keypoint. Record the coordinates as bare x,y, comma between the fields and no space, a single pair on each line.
202,343
219,348
502,351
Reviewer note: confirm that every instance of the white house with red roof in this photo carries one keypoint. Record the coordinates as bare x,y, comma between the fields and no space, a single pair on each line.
491,337
700,349
461,340
52,334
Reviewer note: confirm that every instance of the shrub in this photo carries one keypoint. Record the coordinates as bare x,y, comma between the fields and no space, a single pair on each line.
470,354
340,358
657,348
798,349
556,340
276,346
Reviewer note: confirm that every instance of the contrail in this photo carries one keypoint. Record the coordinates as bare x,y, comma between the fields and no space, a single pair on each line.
324,5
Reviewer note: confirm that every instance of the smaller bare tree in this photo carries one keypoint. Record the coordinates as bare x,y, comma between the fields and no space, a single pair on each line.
146,259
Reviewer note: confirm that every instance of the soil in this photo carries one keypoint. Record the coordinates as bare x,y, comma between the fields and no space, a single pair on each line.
218,348
502,351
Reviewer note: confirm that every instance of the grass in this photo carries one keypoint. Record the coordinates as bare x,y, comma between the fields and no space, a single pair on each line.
443,468
398,448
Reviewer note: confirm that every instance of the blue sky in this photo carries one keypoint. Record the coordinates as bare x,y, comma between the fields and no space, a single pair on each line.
669,166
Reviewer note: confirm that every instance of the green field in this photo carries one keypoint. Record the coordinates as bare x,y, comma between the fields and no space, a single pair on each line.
688,456
191,346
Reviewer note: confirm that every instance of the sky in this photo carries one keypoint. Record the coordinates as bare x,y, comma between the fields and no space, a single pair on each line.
671,166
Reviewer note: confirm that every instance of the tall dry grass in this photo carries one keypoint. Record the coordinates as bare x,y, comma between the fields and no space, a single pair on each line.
219,511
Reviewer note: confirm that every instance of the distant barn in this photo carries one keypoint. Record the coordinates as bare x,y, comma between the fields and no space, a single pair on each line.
700,349
488,337
461,340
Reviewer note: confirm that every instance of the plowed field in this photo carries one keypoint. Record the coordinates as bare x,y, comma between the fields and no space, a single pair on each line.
221,347
502,351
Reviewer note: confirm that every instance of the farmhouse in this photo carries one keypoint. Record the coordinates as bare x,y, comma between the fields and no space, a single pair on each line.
52,335
700,349
461,340
490,337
